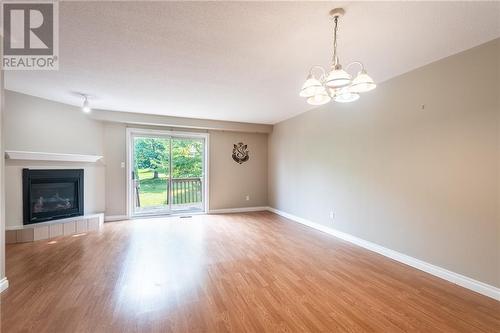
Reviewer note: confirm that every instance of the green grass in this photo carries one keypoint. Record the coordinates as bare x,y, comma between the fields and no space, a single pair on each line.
153,192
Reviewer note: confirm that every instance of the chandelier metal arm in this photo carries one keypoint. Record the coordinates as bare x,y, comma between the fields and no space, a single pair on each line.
321,69
359,63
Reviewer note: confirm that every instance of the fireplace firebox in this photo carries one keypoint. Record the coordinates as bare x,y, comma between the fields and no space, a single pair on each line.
52,194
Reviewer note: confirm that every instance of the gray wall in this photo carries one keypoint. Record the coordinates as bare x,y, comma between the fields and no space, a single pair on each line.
421,181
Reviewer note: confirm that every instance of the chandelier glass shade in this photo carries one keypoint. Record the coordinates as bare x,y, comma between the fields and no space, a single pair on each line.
345,95
338,78
362,83
321,86
311,87
319,98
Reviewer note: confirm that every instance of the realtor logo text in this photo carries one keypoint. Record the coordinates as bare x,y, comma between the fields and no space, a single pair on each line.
30,35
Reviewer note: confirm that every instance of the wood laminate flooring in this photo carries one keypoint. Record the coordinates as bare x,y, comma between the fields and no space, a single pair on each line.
253,272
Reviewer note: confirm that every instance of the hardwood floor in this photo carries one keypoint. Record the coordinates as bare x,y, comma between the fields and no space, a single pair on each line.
250,272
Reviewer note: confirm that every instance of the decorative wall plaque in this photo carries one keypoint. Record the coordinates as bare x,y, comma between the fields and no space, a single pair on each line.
240,153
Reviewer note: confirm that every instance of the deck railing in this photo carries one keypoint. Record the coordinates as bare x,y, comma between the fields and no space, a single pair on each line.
186,190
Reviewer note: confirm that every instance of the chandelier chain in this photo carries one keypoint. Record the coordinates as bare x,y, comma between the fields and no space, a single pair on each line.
335,59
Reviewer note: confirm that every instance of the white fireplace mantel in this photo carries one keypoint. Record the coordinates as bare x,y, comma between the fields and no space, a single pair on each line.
42,156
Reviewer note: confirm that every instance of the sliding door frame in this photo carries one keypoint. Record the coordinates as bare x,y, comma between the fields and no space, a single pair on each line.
131,132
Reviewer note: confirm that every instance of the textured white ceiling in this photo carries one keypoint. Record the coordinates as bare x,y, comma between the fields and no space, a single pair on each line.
240,61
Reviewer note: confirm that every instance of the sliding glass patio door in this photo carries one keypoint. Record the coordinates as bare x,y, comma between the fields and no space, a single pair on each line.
167,173
187,174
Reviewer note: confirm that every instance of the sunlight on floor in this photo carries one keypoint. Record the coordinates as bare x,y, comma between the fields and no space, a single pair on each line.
163,264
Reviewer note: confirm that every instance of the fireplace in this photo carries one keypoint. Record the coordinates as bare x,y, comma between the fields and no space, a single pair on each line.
52,194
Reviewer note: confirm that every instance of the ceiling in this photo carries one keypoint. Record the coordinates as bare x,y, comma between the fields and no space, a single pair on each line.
240,61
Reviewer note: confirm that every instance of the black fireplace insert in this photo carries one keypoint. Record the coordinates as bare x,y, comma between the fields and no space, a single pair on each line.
52,194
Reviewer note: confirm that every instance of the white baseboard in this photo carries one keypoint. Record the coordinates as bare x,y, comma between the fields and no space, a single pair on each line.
4,284
461,280
238,210
110,218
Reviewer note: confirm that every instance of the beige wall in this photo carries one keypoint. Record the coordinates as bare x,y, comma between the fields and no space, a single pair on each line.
421,181
35,124
115,154
142,119
229,182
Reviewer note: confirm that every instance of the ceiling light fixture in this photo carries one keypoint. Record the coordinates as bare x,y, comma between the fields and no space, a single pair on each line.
338,84
86,106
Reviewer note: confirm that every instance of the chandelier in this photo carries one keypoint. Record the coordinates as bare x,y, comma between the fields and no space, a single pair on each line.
321,87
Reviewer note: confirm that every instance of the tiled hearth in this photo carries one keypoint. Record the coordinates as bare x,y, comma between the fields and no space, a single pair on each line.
53,229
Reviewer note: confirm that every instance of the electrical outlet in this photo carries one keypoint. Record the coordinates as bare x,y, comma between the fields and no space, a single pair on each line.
332,215
122,164
247,198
